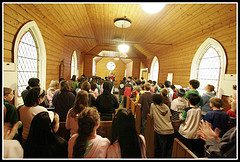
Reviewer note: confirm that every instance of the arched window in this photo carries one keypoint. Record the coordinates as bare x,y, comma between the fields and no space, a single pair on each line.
30,59
209,64
154,69
74,64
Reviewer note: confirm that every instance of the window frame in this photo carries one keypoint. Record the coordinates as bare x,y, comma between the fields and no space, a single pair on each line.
155,59
74,60
208,43
41,51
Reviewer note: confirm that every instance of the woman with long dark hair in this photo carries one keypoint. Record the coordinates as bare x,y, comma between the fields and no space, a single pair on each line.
87,144
42,142
125,142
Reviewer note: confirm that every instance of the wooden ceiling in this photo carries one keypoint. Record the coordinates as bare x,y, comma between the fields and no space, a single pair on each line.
175,24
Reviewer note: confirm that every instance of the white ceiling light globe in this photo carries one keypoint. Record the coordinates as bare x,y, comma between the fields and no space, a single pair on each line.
123,48
152,8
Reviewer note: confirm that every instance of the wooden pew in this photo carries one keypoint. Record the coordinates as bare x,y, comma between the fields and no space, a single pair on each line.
181,151
138,118
128,102
150,137
63,132
132,106
105,129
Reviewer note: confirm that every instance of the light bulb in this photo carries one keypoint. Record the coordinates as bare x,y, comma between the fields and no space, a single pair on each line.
152,8
123,48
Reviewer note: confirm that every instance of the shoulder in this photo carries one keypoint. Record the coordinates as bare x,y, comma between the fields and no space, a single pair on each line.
104,141
114,150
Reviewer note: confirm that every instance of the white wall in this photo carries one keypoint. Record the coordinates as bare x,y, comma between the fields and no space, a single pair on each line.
129,67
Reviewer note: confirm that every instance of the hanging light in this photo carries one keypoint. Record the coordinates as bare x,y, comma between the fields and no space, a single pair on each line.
123,48
152,8
123,23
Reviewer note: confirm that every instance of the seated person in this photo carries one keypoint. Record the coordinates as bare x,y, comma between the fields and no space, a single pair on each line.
215,146
125,142
86,143
12,148
217,118
107,102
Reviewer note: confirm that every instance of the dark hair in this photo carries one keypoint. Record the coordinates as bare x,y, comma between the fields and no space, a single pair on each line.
93,86
32,96
217,102
167,83
181,92
87,120
234,87
172,87
64,85
81,101
194,99
124,130
107,86
60,79
194,83
154,82
73,78
40,138
33,82
157,99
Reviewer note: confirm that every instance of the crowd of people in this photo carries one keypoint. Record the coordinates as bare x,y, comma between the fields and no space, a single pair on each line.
199,121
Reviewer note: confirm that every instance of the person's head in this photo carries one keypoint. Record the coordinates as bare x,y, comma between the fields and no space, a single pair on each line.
164,92
167,83
194,84
8,94
147,86
107,86
86,86
181,92
215,102
209,88
60,79
154,82
64,86
73,78
157,99
54,84
161,85
124,130
172,87
41,134
88,122
81,101
193,99
34,97
93,86
34,82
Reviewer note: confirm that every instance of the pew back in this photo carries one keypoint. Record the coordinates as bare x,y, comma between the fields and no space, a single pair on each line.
105,129
181,151
138,117
63,132
150,137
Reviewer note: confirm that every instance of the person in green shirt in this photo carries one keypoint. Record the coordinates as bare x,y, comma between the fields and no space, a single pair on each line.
193,84
10,110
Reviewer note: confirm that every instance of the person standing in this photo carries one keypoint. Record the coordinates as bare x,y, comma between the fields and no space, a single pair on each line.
63,100
163,128
145,100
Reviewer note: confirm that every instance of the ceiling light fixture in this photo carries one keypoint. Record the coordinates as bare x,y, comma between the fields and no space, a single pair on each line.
152,8
123,23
